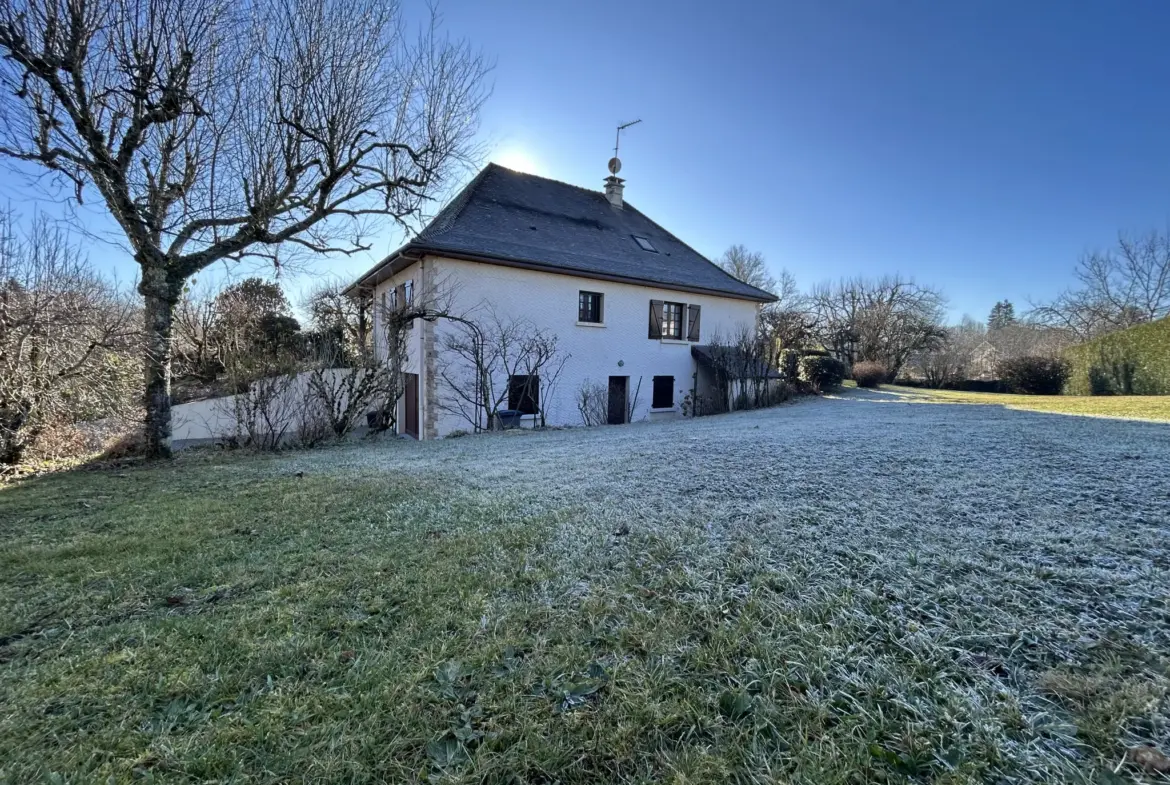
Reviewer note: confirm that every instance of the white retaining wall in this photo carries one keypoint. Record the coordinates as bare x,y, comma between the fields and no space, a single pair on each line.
214,419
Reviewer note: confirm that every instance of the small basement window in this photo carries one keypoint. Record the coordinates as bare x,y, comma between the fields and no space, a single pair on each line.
644,243
663,392
524,394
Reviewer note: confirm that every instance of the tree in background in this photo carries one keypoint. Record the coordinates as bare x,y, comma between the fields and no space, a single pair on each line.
749,267
68,338
962,352
253,317
1003,315
885,320
195,351
786,322
213,130
340,319
1115,289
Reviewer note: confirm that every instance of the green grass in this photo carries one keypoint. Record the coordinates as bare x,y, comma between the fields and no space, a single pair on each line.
227,621
1142,407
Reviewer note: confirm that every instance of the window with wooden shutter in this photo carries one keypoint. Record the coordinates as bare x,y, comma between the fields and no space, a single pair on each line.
400,292
672,321
663,397
693,322
656,318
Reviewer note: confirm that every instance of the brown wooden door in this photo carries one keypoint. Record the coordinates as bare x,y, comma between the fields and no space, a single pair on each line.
410,416
617,399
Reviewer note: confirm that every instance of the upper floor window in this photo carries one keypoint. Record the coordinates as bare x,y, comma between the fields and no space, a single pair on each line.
672,320
589,307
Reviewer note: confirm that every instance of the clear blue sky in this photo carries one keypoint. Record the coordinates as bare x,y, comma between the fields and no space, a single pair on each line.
978,145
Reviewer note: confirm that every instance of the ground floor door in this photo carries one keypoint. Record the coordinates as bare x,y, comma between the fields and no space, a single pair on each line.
410,405
618,387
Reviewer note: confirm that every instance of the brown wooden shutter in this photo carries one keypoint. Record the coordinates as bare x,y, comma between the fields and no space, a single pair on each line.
693,322
400,293
656,318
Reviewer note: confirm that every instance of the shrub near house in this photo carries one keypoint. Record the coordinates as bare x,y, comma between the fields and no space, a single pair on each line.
821,372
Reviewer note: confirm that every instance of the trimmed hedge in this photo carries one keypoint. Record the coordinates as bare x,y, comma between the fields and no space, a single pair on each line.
962,385
1128,362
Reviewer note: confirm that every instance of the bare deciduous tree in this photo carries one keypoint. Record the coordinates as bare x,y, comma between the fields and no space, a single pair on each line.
342,319
593,403
885,320
954,356
544,361
1116,289
483,355
213,130
196,315
68,343
750,267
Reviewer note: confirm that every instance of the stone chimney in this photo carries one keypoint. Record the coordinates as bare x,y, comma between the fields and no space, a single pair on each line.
613,190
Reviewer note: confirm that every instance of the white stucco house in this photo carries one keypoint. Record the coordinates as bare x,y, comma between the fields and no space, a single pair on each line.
627,300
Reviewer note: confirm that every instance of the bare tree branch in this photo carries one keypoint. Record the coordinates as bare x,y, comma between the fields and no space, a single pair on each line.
1116,289
212,130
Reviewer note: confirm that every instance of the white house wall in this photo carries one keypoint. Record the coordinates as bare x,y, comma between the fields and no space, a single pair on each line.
620,347
415,272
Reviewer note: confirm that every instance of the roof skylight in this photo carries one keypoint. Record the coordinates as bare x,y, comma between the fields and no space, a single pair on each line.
644,243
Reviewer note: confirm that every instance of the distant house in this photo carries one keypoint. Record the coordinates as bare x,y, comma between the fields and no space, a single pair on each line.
984,361
625,299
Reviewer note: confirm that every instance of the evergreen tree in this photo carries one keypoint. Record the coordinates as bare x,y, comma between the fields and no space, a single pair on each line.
1003,314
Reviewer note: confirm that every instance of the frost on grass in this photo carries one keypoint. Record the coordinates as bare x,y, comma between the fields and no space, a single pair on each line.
962,582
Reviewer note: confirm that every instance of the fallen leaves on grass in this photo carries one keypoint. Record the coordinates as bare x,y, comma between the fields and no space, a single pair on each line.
1150,759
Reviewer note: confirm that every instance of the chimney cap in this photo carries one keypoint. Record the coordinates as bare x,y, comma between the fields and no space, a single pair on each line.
613,190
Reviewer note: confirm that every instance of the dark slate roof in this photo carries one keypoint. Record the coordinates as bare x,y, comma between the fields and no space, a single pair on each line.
508,217
731,361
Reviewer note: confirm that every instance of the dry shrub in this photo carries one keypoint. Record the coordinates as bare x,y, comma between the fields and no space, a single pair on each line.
869,374
57,442
131,444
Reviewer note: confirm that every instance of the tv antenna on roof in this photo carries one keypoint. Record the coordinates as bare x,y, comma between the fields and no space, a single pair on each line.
615,164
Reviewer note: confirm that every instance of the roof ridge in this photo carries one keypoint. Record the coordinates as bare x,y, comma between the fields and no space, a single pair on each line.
589,191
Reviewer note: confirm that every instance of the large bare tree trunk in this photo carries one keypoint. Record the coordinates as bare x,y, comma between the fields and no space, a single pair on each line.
160,300
216,131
